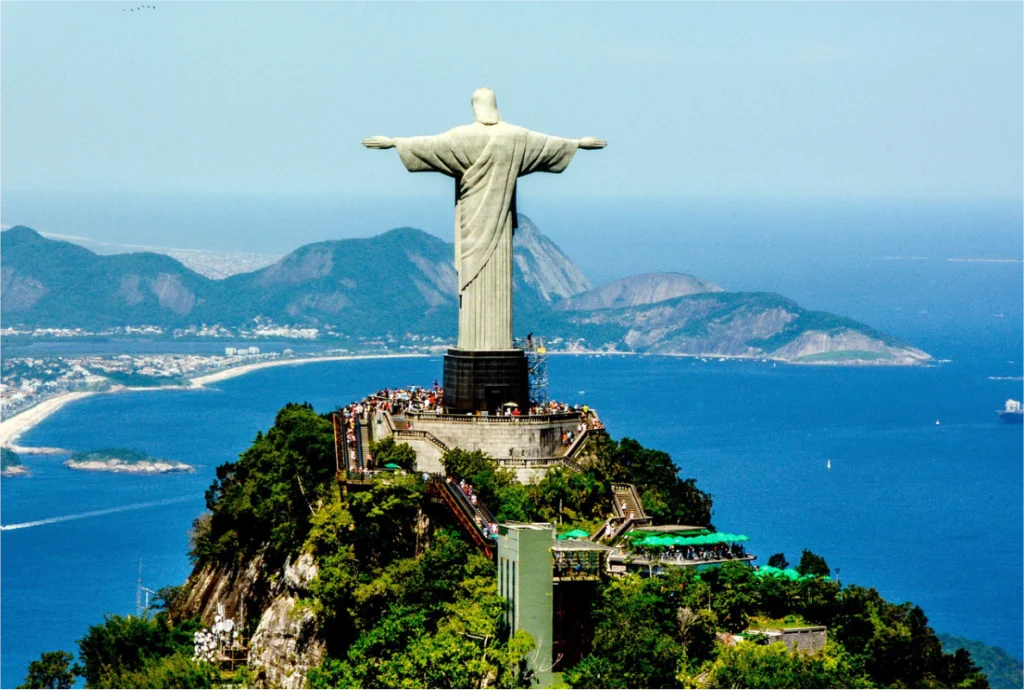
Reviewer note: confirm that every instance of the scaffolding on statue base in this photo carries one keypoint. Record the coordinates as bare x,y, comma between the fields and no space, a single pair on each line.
537,362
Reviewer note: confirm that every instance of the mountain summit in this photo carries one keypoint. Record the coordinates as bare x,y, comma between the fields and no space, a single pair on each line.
403,282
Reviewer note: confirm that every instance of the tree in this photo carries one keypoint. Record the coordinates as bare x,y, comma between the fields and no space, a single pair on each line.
736,594
778,560
488,478
812,564
265,500
635,639
178,670
52,670
666,497
750,665
387,451
126,644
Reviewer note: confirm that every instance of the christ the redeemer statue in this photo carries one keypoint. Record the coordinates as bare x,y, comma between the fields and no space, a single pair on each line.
485,158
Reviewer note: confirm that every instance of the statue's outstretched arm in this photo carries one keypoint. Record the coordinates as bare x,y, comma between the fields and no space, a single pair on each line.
591,143
379,143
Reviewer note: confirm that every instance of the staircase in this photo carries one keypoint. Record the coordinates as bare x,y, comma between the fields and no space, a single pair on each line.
627,502
363,440
468,516
628,513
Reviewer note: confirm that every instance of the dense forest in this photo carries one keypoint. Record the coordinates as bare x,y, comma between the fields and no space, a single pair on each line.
403,601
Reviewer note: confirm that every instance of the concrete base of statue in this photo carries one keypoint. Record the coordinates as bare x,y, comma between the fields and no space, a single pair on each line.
485,380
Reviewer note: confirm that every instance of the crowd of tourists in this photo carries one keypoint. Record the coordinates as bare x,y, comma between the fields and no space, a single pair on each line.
392,400
415,398
710,552
418,399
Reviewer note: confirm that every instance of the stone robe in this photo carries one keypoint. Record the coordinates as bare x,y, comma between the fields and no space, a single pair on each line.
486,161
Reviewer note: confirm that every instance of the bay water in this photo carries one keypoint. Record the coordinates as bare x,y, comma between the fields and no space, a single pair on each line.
923,511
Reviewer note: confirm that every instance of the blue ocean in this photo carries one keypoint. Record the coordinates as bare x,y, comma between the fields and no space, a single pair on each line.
923,500
926,512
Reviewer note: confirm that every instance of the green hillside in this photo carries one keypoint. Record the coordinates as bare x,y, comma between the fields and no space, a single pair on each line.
403,282
8,458
1002,669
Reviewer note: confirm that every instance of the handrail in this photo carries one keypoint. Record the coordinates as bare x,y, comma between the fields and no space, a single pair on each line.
496,419
419,433
451,498
622,529
360,451
577,443
468,506
634,496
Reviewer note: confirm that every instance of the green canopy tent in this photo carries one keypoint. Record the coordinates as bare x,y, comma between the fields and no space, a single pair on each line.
574,534
788,573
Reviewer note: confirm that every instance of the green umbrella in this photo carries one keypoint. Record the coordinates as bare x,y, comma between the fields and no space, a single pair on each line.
392,466
574,534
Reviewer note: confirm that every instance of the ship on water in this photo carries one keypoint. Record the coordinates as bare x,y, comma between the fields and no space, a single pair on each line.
1012,412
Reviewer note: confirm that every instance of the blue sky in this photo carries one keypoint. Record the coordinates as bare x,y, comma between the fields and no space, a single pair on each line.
828,100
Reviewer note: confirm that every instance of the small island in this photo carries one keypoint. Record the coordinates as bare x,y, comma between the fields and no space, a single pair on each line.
10,464
124,461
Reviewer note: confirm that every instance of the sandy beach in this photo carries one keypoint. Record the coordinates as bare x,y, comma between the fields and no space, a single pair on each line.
12,429
231,373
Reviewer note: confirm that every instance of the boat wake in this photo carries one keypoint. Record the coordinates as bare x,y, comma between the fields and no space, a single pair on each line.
95,513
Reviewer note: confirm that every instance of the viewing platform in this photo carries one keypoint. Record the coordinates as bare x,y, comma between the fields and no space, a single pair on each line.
529,442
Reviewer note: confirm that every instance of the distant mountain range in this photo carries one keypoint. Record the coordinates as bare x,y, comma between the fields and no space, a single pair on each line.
403,282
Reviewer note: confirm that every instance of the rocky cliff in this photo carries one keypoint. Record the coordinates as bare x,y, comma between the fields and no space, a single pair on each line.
283,643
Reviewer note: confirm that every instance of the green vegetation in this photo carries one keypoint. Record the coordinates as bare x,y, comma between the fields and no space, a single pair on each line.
660,632
267,498
580,499
765,623
813,564
128,652
1002,669
400,600
52,670
325,284
749,665
388,452
126,455
8,458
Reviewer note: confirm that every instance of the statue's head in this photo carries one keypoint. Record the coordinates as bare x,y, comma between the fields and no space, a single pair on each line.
485,107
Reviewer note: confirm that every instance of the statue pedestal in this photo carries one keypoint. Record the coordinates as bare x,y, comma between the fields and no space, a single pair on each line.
485,380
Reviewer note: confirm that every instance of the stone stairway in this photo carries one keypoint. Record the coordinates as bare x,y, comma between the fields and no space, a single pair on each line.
627,502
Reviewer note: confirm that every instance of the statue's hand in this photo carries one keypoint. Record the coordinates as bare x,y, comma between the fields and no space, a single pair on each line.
591,143
379,143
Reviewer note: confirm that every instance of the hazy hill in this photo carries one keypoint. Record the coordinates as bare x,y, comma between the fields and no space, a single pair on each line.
646,288
747,324
404,281
49,283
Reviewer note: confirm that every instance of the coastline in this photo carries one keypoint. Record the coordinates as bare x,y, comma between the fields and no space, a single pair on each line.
224,374
12,429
